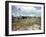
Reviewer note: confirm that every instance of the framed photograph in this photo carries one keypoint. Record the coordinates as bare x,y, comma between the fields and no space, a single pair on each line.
24,18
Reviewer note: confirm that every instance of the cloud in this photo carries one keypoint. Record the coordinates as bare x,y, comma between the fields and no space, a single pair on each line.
39,8
26,11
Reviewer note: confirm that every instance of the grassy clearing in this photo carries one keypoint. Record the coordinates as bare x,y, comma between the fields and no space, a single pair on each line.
26,22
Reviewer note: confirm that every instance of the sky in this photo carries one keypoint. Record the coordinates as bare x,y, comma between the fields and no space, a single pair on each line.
26,11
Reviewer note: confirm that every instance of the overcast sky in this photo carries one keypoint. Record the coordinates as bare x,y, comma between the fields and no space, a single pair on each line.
26,11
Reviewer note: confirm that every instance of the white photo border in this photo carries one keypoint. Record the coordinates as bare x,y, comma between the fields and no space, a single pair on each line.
25,4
